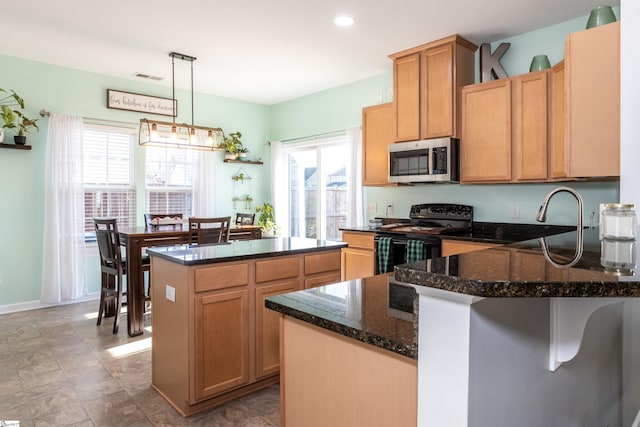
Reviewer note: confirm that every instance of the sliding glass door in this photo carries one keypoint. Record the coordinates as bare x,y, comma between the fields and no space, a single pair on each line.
318,189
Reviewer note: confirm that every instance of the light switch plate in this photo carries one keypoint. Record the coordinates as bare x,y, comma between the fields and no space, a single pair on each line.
171,293
372,208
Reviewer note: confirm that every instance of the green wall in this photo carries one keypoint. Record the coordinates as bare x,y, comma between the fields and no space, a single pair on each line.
340,108
68,91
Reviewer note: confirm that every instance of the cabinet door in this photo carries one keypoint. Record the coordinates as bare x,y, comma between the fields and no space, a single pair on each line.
531,115
592,61
557,158
455,247
474,266
357,263
406,94
268,330
437,107
221,333
486,132
377,134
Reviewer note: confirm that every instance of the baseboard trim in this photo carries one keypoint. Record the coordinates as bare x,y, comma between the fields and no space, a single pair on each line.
35,305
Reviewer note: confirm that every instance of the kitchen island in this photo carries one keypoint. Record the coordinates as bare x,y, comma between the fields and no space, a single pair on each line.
510,336
213,340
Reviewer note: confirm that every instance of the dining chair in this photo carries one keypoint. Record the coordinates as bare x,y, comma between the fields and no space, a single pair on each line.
112,267
148,217
209,230
245,218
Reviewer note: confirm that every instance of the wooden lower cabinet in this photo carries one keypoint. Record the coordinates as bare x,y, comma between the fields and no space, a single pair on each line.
267,329
330,380
358,260
215,341
455,247
221,342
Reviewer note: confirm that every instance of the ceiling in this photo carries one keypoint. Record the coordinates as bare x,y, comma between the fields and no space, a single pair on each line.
254,50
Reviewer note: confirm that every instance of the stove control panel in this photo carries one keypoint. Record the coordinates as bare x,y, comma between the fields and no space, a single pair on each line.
442,211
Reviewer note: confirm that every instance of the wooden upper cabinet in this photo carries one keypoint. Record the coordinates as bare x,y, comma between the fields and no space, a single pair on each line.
377,134
426,83
505,130
592,82
485,149
531,118
406,97
557,158
437,103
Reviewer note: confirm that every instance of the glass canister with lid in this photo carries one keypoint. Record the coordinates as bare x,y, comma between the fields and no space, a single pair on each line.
619,221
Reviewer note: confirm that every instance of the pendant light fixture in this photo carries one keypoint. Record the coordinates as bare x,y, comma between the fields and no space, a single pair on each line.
180,135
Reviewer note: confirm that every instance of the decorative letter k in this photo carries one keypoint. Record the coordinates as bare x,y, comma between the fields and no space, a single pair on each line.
490,63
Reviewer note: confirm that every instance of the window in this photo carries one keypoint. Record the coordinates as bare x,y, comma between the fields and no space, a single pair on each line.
169,180
109,189
318,204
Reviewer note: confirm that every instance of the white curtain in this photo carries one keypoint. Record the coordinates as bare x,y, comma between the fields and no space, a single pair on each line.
280,187
63,261
204,181
355,215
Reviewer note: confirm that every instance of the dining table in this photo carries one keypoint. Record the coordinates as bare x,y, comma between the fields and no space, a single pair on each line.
136,238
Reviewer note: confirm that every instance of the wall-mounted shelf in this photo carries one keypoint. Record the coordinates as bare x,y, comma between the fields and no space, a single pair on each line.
246,162
15,147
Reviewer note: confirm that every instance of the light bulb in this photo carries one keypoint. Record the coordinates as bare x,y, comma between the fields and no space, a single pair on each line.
174,133
192,135
210,137
154,131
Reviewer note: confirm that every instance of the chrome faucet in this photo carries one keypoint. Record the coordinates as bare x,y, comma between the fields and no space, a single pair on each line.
542,217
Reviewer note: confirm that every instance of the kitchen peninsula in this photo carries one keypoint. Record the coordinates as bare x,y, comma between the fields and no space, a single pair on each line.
213,340
506,336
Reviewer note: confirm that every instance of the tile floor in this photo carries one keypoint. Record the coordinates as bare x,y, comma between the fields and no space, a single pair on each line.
57,368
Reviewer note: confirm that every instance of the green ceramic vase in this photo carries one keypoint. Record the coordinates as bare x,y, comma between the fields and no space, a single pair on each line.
601,15
539,62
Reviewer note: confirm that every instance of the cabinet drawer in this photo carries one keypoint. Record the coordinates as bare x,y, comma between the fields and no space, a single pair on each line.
319,263
358,240
277,268
220,277
321,280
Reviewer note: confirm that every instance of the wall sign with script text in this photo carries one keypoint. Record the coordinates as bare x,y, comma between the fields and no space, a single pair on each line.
144,103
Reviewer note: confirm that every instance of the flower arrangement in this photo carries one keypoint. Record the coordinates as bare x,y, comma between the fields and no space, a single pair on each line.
266,219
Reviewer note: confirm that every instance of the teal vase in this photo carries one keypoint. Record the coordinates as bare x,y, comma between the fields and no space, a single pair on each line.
601,15
539,62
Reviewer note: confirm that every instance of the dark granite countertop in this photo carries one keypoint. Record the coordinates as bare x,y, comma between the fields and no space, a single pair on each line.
238,250
504,232
370,310
491,232
605,269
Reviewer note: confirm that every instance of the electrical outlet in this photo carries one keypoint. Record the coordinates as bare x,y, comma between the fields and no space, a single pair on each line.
515,211
389,209
372,208
171,293
1,280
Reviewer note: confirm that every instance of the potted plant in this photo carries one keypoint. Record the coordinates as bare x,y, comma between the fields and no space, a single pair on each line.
231,145
8,99
24,126
267,220
242,153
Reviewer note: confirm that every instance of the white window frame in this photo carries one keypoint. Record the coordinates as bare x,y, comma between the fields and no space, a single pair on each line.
316,143
129,187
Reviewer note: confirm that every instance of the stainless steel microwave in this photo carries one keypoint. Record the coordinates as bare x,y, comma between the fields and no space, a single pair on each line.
429,160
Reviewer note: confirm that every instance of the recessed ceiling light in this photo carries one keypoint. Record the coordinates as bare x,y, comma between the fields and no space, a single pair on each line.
344,21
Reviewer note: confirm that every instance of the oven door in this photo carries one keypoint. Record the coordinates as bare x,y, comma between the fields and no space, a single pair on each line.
392,250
